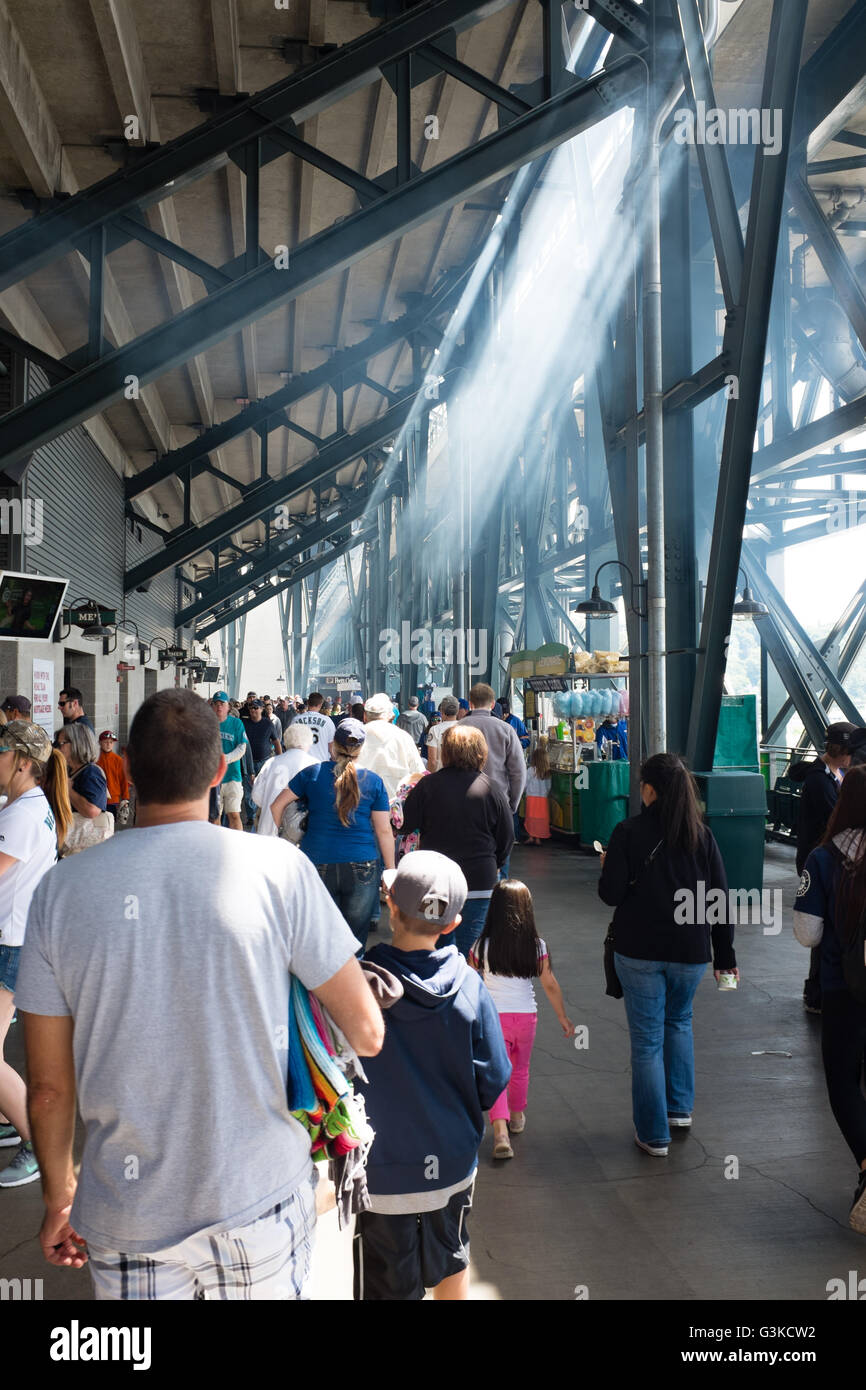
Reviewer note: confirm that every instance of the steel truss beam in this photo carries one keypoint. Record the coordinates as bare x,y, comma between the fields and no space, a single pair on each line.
627,21
332,457
805,698
816,530
796,448
715,174
262,289
832,85
157,173
766,206
852,621
303,571
340,372
781,614
839,270
269,558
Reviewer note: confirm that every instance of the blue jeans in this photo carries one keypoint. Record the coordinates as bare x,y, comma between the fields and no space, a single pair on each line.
252,808
658,1003
355,890
376,914
474,914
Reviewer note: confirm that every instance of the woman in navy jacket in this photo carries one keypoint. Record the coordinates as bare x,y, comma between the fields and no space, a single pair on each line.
830,901
660,872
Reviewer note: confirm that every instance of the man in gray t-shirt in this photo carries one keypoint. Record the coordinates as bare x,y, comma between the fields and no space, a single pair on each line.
413,721
175,978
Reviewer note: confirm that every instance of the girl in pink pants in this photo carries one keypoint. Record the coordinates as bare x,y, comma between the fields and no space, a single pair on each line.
510,955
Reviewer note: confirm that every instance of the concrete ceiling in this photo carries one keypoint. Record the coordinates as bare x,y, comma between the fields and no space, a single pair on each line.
69,76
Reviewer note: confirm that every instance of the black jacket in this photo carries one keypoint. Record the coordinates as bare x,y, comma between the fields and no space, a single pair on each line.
820,792
462,815
650,923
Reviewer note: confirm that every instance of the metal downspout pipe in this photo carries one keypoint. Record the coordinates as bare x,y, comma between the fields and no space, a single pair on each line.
654,417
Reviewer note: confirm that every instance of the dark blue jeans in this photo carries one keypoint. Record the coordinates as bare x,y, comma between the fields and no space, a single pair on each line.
355,890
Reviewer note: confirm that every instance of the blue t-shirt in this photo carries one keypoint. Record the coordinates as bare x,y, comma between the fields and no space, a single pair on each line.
90,783
233,735
327,840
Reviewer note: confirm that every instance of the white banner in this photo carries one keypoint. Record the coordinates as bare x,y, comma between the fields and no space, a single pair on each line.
43,695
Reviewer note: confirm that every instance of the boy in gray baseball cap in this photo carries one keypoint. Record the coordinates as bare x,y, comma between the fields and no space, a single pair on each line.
443,1064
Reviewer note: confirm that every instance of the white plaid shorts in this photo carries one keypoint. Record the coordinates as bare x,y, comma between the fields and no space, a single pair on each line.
267,1259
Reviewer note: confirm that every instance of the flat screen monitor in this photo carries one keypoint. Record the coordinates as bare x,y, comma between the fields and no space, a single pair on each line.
29,604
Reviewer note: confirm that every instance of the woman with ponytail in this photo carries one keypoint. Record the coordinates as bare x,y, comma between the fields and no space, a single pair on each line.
348,827
659,871
33,824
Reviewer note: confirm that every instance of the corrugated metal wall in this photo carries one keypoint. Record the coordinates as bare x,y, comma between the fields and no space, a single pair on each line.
84,532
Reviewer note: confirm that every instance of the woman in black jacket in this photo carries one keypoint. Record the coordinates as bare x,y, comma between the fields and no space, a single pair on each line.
460,814
659,872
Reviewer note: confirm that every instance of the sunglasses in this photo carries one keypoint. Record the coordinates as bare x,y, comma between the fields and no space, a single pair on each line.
61,703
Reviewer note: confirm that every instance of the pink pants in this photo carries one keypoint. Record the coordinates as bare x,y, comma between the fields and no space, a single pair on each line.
518,1030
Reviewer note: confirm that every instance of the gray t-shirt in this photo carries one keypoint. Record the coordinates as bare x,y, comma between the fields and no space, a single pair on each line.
171,947
414,723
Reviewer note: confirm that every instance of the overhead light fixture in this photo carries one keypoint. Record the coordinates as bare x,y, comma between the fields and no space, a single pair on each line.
96,632
597,607
748,606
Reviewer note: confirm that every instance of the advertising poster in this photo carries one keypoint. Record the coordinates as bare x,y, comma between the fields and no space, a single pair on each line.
43,695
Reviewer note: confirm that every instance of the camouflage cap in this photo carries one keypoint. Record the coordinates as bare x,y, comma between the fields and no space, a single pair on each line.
29,739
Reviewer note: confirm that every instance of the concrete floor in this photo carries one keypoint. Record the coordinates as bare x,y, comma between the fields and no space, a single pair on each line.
580,1211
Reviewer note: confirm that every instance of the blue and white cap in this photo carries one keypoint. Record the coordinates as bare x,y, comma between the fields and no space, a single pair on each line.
350,731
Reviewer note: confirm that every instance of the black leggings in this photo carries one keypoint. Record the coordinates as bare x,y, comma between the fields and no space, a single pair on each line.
843,1043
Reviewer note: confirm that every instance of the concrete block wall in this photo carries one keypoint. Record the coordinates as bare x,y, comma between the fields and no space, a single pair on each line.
108,703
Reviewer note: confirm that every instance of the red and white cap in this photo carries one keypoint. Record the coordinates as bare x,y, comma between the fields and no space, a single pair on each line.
106,733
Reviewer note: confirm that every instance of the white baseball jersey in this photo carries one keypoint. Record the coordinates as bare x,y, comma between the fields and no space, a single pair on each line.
323,733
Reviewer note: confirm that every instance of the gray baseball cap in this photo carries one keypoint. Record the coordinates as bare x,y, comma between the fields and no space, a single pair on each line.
428,887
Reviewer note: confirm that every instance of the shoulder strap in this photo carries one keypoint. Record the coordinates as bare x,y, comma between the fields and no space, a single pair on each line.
646,863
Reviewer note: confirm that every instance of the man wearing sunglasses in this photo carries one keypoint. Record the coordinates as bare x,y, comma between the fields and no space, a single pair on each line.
72,709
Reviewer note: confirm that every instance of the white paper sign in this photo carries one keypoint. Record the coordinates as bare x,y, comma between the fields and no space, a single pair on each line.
43,695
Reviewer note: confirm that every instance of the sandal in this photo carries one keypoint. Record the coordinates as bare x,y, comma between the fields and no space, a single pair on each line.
502,1149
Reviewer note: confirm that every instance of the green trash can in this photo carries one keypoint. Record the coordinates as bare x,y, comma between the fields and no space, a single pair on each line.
603,801
735,808
564,803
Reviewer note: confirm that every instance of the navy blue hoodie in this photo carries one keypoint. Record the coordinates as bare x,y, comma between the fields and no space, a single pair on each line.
442,1065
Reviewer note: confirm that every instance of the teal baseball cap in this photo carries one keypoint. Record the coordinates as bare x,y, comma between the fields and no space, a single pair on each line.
220,696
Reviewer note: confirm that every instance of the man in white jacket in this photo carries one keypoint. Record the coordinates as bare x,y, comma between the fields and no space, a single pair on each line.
388,750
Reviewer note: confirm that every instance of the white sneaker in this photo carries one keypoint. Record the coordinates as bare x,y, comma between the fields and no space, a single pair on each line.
680,1121
657,1150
